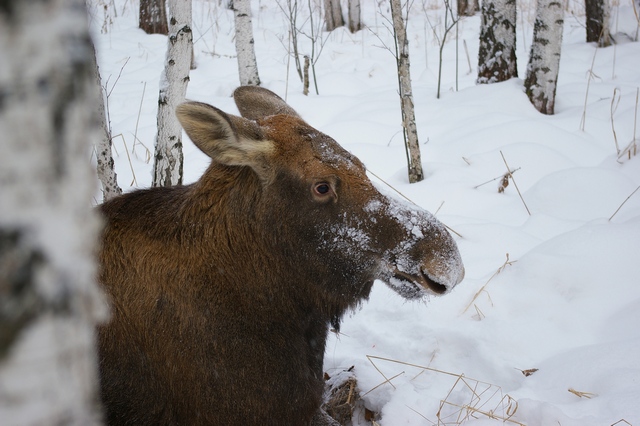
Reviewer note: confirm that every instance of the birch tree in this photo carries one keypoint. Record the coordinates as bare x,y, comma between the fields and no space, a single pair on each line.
333,15
497,51
355,16
468,7
597,22
49,301
544,60
168,158
406,95
104,154
153,17
247,64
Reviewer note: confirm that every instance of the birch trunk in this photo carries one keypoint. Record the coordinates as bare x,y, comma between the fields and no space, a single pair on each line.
333,14
104,154
597,22
468,7
497,51
168,158
355,20
49,301
544,60
406,95
153,17
247,64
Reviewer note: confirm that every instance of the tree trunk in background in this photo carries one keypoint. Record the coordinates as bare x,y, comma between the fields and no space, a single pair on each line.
333,14
597,21
168,158
468,7
104,154
497,52
544,60
355,20
406,97
153,17
49,300
247,63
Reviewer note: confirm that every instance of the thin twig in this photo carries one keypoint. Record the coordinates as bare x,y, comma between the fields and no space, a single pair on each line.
135,133
117,78
126,150
494,179
621,421
514,182
635,113
500,269
583,120
623,203
615,101
580,394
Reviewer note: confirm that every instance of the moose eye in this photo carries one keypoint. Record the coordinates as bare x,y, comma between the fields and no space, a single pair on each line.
322,188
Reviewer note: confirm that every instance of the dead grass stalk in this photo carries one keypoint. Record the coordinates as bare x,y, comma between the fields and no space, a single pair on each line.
467,399
500,269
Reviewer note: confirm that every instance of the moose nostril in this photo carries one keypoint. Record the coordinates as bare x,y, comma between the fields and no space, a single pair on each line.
433,285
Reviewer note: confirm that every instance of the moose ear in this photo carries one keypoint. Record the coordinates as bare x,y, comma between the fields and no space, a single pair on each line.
255,103
227,139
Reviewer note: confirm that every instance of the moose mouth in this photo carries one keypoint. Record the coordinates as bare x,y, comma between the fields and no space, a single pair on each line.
421,281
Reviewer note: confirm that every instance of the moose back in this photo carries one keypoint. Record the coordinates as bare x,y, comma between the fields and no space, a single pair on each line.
222,291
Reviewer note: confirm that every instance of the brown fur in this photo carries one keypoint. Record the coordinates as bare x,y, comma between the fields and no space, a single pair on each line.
222,291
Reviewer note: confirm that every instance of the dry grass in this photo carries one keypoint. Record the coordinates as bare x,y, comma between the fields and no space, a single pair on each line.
467,399
341,396
624,202
631,150
621,421
514,183
502,178
500,269
580,394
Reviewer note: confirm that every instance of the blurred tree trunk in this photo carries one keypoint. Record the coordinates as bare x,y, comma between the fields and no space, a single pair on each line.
247,63
597,21
49,300
153,17
468,7
544,60
497,52
168,158
355,19
333,14
406,95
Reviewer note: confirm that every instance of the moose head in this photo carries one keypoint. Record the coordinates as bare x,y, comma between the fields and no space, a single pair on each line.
223,291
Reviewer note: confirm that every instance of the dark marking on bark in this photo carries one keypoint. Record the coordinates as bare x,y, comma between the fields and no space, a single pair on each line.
20,302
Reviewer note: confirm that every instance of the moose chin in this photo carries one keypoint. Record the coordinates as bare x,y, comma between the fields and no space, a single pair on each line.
223,291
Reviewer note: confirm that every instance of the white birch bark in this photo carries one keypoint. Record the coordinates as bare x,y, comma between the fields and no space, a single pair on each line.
168,157
544,60
247,64
49,301
355,20
406,95
497,50
104,154
333,14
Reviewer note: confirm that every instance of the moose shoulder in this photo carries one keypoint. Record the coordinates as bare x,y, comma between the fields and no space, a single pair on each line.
222,291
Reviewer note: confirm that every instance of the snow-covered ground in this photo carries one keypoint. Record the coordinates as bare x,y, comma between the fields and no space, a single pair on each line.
554,288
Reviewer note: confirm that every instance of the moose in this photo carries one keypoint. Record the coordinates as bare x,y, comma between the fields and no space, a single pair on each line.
223,291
